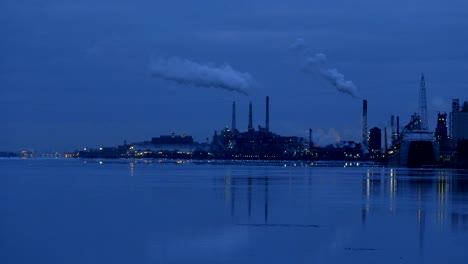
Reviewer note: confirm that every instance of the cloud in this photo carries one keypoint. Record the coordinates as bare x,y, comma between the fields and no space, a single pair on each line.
186,72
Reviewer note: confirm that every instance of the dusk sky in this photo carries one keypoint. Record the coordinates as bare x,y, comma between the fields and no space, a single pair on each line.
77,74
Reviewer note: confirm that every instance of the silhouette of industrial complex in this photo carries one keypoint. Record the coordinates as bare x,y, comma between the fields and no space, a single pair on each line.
410,145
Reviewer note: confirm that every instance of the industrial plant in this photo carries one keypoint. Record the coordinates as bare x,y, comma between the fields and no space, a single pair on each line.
412,145
233,144
417,146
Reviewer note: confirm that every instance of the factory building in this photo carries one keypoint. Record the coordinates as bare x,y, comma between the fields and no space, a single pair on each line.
446,148
179,144
459,121
173,139
165,146
255,144
266,145
459,130
413,146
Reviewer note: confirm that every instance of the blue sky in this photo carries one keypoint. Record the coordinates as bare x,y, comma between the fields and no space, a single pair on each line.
78,73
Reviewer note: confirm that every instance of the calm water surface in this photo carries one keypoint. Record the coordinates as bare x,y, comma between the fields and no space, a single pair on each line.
76,211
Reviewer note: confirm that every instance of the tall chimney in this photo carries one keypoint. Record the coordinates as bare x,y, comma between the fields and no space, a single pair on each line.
385,140
233,126
364,123
398,127
392,125
310,139
267,118
250,118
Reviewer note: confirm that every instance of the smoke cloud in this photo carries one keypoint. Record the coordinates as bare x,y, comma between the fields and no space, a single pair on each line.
323,138
318,64
187,72
298,47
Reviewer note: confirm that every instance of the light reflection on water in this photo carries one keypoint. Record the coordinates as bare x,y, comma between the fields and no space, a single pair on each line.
71,211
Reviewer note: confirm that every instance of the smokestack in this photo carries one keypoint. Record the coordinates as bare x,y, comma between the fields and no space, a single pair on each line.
250,118
392,125
310,139
267,122
233,125
385,140
364,122
398,127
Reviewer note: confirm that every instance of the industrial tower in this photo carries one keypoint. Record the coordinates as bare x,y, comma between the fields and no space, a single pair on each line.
233,125
250,129
423,104
267,118
365,136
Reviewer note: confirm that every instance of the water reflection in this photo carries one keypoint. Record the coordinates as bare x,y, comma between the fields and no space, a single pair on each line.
238,184
333,213
434,194
132,168
266,199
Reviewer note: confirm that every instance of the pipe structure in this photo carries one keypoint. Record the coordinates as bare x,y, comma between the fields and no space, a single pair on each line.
267,118
385,140
398,127
310,139
364,123
392,125
250,118
233,125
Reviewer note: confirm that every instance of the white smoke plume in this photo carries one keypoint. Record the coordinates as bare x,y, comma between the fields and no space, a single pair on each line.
298,47
323,138
187,72
318,64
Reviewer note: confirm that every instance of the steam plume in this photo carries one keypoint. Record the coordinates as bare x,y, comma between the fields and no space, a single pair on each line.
187,72
319,64
323,138
298,47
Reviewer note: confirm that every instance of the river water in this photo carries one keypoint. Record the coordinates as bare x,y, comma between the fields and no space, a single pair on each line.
91,211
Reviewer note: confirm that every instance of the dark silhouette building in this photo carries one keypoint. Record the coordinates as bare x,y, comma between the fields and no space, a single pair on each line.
375,140
256,144
459,121
441,129
446,147
173,139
